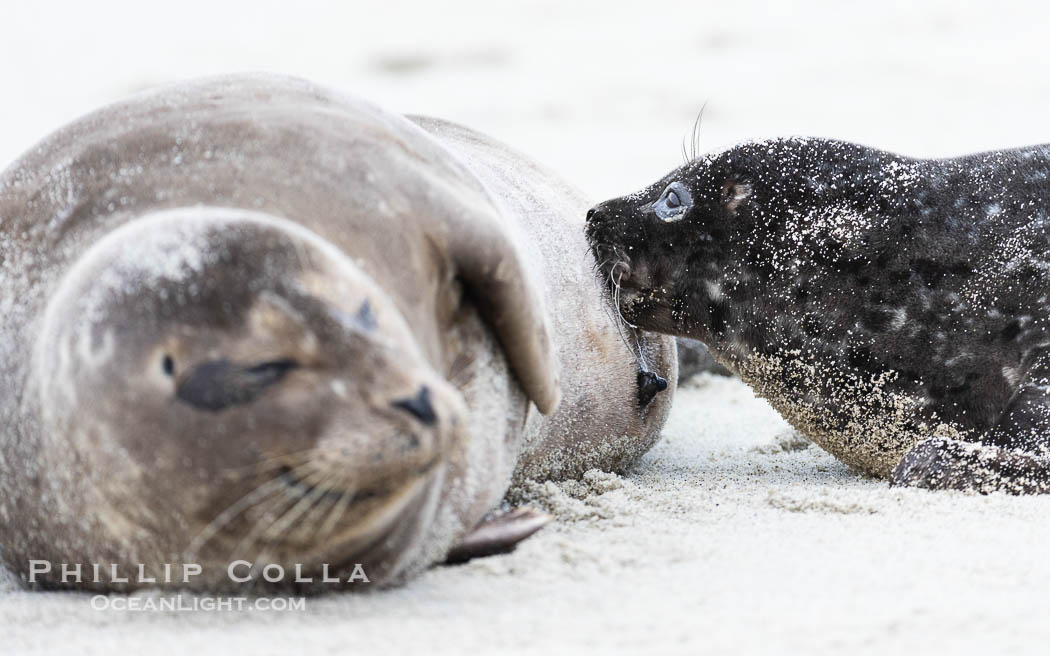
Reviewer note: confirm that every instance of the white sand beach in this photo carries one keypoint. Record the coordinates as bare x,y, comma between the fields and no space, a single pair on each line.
733,535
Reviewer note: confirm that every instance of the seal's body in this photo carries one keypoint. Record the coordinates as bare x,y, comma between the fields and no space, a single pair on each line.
605,420
249,319
878,302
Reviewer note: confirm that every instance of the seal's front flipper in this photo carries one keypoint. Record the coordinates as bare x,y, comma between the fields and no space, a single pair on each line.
498,534
1011,457
942,464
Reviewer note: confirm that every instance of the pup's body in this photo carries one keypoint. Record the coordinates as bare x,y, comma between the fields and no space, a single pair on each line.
877,301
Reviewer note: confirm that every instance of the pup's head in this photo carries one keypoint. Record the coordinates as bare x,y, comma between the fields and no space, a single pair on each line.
664,251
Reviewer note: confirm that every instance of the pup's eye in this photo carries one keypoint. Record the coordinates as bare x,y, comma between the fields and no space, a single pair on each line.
673,203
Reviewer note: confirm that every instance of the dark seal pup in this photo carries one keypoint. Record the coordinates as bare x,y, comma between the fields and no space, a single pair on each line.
893,309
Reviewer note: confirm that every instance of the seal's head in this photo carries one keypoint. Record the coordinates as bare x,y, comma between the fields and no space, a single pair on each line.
664,250
237,389
691,254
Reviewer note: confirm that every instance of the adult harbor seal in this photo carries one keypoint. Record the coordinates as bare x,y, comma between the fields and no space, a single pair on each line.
247,319
893,309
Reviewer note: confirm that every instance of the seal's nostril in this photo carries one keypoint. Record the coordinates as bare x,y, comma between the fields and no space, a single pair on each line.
590,214
419,406
649,385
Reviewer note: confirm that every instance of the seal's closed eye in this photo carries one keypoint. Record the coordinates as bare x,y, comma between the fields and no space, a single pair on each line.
218,384
673,203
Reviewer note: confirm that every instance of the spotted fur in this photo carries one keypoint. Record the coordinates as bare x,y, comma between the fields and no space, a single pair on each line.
878,301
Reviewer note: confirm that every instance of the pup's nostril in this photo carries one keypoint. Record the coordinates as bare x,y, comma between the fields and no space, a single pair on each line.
590,214
419,406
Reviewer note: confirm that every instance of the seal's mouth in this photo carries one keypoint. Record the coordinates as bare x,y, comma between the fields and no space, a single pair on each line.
637,300
351,516
613,268
313,513
633,284
377,531
303,487
630,287
617,280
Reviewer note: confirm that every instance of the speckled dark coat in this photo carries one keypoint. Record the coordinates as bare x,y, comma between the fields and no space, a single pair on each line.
878,301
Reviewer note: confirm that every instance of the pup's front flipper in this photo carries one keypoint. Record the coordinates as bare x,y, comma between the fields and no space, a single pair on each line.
1012,457
498,533
942,464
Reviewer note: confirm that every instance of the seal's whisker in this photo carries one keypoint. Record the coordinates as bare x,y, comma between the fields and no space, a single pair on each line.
275,510
696,130
277,491
600,266
274,462
320,511
615,274
295,517
223,519
643,361
336,513
619,312
619,320
254,498
289,518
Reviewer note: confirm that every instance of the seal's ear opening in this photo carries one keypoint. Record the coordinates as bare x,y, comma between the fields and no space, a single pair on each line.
734,192
495,277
